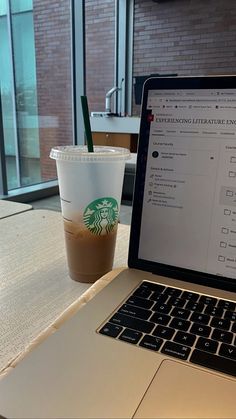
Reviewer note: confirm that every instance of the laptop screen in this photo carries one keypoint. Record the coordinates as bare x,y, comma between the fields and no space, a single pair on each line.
188,216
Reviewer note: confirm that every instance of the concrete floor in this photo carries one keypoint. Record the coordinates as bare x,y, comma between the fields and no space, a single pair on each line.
53,203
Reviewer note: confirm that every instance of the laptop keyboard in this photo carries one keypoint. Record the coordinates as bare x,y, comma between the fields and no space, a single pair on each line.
181,324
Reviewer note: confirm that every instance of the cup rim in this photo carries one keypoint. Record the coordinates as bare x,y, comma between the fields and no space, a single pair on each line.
80,153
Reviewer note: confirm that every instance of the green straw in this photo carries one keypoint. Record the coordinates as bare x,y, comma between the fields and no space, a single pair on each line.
87,127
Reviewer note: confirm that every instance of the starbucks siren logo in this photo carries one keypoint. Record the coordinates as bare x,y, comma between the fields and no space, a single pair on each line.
101,216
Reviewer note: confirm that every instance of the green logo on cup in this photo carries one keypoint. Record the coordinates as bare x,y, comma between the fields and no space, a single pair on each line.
101,216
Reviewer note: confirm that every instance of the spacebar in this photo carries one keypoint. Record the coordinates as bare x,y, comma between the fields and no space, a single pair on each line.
218,363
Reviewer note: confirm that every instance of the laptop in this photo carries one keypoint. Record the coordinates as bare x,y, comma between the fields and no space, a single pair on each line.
160,340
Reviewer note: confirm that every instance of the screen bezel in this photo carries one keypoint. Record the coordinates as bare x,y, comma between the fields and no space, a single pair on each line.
168,83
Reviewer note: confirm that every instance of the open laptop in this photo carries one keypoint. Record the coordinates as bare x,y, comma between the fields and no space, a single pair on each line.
160,340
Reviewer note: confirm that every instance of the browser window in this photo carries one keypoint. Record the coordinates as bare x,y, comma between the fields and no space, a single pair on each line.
189,206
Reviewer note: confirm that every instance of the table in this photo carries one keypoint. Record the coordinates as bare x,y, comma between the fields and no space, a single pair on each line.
9,208
36,292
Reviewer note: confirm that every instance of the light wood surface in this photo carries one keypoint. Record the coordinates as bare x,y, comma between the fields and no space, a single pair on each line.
36,292
9,208
111,139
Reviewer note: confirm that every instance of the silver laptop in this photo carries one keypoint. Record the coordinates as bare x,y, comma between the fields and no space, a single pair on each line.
160,340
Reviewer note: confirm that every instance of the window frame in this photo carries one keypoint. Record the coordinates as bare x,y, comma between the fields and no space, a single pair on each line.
123,76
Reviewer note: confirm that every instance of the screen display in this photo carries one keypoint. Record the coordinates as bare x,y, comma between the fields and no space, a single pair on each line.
189,203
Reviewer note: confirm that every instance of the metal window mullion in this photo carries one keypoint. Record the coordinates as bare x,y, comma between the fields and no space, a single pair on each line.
13,90
3,172
116,102
78,65
129,56
121,54
124,47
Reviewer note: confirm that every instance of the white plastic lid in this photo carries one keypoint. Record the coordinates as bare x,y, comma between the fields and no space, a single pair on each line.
80,153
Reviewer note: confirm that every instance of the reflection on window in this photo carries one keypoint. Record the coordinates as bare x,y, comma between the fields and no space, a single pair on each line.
36,87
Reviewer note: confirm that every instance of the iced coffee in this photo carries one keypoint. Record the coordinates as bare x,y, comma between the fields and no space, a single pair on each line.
89,256
90,240
90,185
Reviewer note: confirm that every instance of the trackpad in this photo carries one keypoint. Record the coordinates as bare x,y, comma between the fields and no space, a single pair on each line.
183,391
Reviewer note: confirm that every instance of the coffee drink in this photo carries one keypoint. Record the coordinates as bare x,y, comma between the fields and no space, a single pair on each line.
90,185
89,255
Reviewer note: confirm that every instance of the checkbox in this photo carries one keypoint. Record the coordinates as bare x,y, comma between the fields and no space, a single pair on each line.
221,258
229,193
232,174
227,212
232,159
223,244
224,230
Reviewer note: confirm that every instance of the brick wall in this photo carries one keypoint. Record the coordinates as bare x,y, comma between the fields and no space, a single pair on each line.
52,26
182,36
187,37
100,51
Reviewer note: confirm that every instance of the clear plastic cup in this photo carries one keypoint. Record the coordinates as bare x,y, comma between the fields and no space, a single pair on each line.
90,186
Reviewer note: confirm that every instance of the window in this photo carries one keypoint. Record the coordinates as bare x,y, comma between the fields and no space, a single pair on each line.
36,86
42,66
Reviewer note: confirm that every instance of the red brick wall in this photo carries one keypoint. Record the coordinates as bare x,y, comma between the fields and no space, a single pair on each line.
181,36
52,26
184,36
100,51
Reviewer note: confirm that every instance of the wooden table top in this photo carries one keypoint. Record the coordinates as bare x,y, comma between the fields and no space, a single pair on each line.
35,288
9,208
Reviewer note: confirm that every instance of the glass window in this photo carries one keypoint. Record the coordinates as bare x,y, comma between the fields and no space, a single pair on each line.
36,84
6,82
18,6
3,7
26,97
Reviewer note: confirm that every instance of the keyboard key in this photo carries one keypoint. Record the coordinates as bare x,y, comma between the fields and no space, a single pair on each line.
176,350
218,363
180,312
163,332
111,330
162,308
234,327
192,305
228,350
230,315
185,338
207,345
130,336
132,323
200,318
222,336
173,292
180,324
152,286
205,299
221,323
160,318
142,292
188,295
227,305
140,302
159,298
151,342
214,311
200,329
175,301
135,311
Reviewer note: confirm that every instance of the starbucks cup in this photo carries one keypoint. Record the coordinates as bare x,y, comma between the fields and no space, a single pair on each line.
90,185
